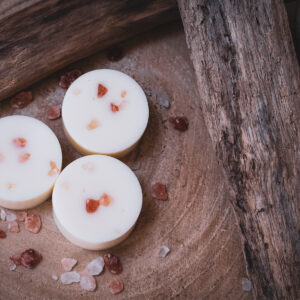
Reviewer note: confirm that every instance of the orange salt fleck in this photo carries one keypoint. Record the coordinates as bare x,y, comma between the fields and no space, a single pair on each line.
105,200
123,94
76,92
65,185
53,168
10,186
93,124
102,90
92,205
88,166
24,157
1,157
123,103
20,142
114,107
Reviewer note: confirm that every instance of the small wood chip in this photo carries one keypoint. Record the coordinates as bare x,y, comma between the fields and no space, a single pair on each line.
13,226
33,223
159,191
53,112
116,286
68,263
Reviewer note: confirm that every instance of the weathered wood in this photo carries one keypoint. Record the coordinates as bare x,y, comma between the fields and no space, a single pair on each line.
49,35
249,88
196,223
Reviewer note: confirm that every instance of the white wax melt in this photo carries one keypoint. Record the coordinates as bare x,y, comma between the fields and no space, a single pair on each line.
105,112
30,161
96,201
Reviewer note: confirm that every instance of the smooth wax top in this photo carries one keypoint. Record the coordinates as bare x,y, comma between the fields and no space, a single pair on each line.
105,112
96,201
30,161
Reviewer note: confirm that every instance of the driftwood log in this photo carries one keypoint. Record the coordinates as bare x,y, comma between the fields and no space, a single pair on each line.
49,35
249,87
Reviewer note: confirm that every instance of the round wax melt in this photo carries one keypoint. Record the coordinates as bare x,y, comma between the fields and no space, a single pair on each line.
105,112
96,201
30,161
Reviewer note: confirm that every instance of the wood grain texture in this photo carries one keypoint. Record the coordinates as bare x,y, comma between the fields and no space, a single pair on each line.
51,34
249,89
197,222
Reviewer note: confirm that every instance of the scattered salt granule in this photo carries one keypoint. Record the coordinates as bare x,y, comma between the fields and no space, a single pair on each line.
116,286
2,215
53,112
21,216
163,252
13,226
179,123
87,282
54,277
95,267
11,216
246,284
33,223
112,263
2,234
21,100
159,191
68,263
70,277
30,258
164,100
12,267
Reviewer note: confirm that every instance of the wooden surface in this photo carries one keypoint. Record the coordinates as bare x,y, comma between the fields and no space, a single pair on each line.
249,85
197,222
40,37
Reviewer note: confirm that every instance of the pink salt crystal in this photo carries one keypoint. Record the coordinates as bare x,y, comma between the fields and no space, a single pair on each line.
22,215
69,277
95,267
116,286
33,223
68,263
87,282
10,217
53,112
13,226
